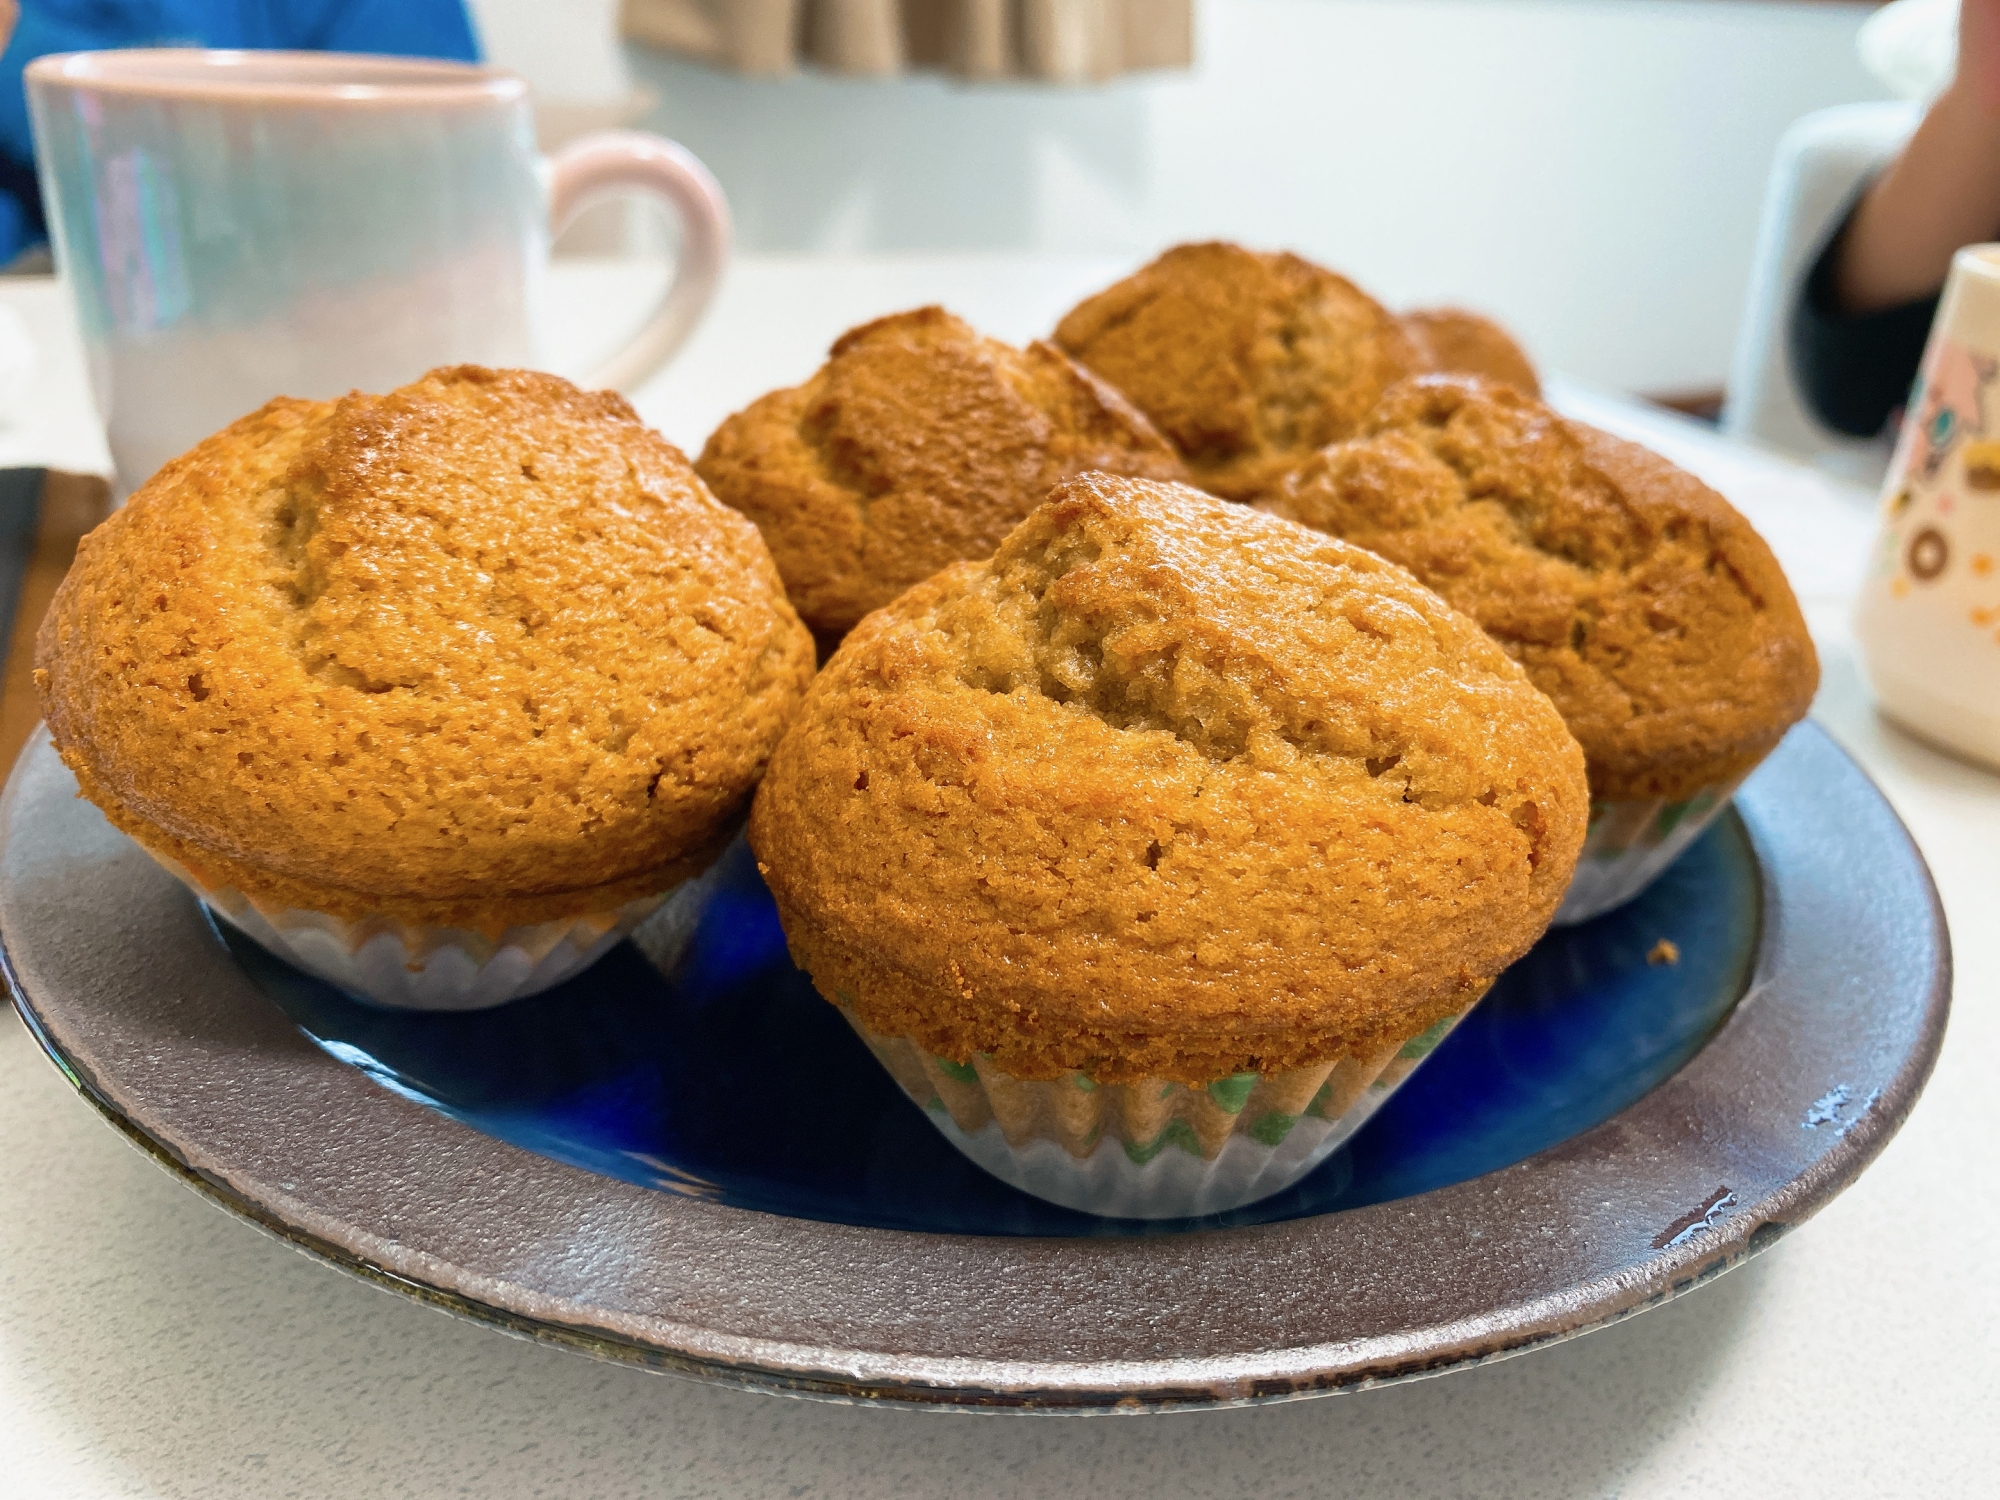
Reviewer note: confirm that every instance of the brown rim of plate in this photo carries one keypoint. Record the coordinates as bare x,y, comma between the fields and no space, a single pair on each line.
1798,1090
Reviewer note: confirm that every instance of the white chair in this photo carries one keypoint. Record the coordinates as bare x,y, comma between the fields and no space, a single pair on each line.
1821,163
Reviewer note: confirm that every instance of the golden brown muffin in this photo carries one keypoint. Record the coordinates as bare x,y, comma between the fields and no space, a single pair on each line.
477,652
1636,597
919,443
1452,341
1166,788
1247,361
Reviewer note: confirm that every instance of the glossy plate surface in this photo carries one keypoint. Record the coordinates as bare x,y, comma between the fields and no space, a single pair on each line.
710,1174
735,1081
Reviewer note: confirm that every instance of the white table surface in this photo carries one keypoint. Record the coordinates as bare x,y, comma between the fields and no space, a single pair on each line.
151,1345
50,423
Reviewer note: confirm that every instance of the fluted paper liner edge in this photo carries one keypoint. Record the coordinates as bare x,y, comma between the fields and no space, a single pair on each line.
1154,1149
415,966
1630,844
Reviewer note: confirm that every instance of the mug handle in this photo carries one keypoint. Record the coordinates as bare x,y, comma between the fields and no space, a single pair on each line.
604,161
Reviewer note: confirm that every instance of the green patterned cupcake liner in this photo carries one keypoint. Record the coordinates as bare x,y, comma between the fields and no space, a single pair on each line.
1153,1149
1631,843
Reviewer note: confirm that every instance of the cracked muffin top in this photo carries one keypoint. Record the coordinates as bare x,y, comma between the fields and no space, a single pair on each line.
480,651
1637,598
918,444
1250,362
1166,787
1247,361
1452,340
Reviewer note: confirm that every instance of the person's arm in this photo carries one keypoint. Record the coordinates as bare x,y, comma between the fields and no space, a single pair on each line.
1941,192
1858,328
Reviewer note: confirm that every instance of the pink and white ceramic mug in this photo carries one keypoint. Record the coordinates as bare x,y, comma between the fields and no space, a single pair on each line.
1929,618
239,225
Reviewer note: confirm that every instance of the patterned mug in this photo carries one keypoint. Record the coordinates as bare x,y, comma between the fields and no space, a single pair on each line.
1929,618
240,225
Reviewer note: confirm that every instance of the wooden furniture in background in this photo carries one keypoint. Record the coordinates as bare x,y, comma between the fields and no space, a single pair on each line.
1704,404
1052,41
42,518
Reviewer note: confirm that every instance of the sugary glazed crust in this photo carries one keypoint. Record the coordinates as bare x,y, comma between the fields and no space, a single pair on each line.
1637,598
1166,788
918,444
478,651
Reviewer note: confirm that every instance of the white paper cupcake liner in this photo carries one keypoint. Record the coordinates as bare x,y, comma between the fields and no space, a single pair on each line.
1152,1149
409,966
1631,843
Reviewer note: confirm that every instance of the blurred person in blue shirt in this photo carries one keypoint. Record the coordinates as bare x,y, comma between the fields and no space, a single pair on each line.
402,28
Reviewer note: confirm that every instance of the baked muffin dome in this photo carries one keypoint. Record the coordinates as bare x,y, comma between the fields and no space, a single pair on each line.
1247,361
1451,340
919,443
1637,598
1169,788
478,652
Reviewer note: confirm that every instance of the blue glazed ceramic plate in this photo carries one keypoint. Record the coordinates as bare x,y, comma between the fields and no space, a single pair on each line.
707,1174
734,1080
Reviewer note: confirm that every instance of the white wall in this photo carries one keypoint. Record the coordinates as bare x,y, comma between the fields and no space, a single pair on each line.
1588,170
568,49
